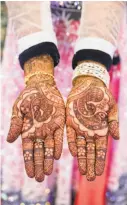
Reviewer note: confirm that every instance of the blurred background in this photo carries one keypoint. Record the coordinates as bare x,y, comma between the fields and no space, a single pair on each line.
65,186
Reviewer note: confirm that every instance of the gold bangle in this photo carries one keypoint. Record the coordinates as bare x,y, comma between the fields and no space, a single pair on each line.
36,73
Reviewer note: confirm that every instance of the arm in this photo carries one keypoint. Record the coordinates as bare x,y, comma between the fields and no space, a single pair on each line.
39,112
91,109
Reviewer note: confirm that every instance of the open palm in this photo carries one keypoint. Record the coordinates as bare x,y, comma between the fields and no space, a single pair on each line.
39,116
91,114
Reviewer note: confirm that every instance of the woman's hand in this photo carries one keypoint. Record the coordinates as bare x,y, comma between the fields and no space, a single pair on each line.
39,116
91,115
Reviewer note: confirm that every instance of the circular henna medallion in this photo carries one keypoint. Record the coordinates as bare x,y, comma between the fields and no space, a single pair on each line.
86,112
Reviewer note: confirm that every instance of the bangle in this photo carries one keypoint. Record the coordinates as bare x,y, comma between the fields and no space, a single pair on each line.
92,69
27,78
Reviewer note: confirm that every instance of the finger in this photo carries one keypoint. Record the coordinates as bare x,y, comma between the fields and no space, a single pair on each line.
101,149
71,136
113,122
49,152
81,147
15,129
39,160
27,145
90,153
114,129
58,140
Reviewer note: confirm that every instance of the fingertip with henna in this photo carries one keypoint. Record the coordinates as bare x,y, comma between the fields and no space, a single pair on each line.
90,178
40,178
15,129
114,129
10,139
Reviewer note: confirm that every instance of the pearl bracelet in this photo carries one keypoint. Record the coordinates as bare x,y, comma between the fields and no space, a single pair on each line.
92,69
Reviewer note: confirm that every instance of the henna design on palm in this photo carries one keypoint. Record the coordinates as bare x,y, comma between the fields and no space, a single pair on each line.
91,115
39,116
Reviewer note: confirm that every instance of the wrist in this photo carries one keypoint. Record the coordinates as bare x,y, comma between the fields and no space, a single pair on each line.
40,78
80,79
42,64
39,69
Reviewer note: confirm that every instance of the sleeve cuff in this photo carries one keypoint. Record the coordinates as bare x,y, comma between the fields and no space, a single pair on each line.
26,42
95,44
45,48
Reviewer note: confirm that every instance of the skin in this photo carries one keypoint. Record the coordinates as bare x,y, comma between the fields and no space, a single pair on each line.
91,115
39,116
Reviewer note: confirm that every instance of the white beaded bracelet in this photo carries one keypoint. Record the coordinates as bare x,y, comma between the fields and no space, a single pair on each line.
92,69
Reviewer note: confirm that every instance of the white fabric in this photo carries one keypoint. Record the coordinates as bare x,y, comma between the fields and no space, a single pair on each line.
32,23
100,25
95,44
35,38
46,18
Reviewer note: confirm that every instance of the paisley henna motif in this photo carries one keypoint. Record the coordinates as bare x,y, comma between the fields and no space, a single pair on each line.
85,109
91,112
39,116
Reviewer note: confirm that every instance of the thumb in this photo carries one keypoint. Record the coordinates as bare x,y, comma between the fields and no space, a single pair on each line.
15,129
113,122
16,125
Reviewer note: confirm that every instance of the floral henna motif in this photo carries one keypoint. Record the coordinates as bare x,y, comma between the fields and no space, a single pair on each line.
48,152
81,152
38,145
91,112
101,154
27,156
91,147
